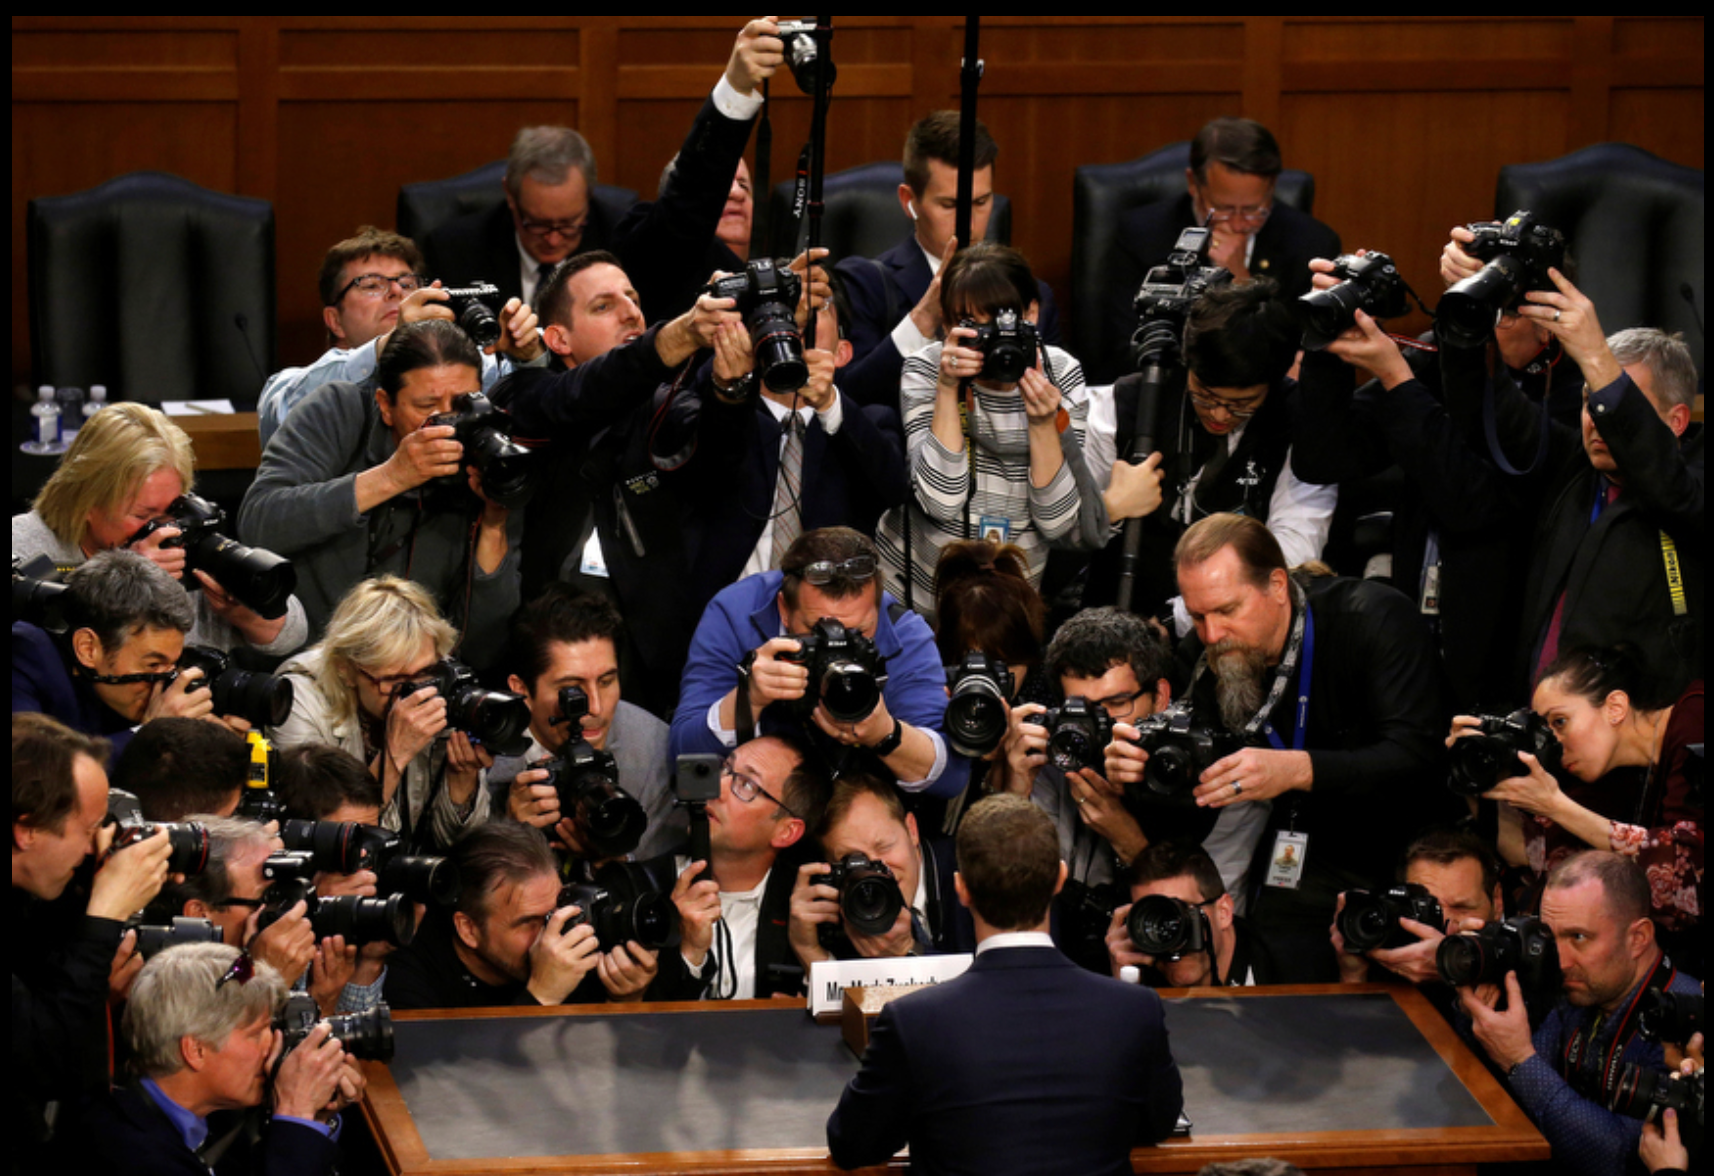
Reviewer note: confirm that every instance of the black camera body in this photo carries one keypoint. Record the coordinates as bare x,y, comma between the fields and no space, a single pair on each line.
264,700
508,469
1169,291
499,720
1078,732
1181,748
1370,920
1673,1017
1480,762
361,921
801,53
476,309
869,896
38,595
846,671
1647,1094
258,579
1168,928
189,841
1008,345
346,847
610,820
1518,251
766,295
624,906
366,1036
1522,944
980,690
154,938
1370,283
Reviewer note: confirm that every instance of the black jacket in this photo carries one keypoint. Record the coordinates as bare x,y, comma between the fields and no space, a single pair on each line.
429,975
778,970
126,1132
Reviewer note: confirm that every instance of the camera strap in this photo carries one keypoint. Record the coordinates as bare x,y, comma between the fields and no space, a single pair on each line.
1596,1076
1490,421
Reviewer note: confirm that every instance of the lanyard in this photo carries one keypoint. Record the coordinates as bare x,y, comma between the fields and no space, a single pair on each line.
1301,726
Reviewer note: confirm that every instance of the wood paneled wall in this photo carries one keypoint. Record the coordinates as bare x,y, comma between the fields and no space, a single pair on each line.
1404,121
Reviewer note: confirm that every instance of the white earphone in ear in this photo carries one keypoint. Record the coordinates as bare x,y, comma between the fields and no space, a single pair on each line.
911,207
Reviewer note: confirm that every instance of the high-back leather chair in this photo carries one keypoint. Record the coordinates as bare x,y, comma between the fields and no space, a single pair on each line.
425,206
861,216
154,286
1634,221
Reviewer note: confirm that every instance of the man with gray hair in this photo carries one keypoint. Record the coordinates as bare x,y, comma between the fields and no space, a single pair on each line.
200,1025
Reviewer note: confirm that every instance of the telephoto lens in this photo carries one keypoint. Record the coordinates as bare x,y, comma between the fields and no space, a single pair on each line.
623,906
262,700
366,1036
365,920
152,939
499,720
189,844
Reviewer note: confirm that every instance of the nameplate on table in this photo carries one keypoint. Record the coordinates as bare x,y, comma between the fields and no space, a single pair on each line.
828,979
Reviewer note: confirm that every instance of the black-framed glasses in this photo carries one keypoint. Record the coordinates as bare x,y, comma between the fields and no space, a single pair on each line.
1238,410
825,571
1119,706
389,685
152,677
377,285
748,788
569,227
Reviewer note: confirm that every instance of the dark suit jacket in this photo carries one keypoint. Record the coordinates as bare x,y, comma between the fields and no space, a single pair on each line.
485,245
42,682
1026,1063
872,376
1284,245
126,1132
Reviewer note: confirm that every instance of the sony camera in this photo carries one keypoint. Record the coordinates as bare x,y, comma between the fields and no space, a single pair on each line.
1370,920
345,847
980,688
846,672
869,896
1371,284
610,820
1168,928
1078,733
1180,749
37,594
1670,1016
507,468
1518,251
264,700
154,938
766,295
499,720
1169,290
290,877
623,906
475,308
801,53
1008,345
367,1036
189,841
1522,944
1480,762
258,579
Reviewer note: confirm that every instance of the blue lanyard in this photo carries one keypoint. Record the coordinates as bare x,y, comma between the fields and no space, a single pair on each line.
1303,669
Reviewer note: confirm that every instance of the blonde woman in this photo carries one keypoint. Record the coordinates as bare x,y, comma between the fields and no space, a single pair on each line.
352,692
127,465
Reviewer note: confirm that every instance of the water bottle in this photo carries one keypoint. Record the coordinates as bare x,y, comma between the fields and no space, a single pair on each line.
71,412
45,424
96,402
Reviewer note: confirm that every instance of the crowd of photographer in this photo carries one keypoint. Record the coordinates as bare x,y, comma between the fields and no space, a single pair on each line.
382,760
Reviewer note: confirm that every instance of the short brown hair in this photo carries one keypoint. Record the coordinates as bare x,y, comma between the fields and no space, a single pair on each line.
1178,859
44,791
1623,882
1257,549
495,853
369,242
1008,856
846,791
935,136
989,277
1242,144
1445,846
834,545
553,302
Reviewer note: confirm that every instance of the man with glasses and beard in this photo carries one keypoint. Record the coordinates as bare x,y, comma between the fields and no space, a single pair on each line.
1333,686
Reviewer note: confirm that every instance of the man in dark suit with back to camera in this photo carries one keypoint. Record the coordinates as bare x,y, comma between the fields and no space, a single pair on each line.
1087,1074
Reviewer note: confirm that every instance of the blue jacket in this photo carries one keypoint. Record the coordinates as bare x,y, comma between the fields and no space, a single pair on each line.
43,683
746,615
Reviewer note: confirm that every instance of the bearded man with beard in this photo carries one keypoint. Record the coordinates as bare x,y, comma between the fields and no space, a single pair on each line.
1336,689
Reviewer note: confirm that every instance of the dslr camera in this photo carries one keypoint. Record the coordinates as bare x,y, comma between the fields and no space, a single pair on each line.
1180,749
263,700
846,672
154,938
507,468
623,906
258,579
1008,346
1480,762
499,720
37,593
475,308
1522,944
1078,732
189,841
366,1036
1647,1094
980,688
766,296
869,896
1168,928
1675,1017
290,876
610,819
345,847
1169,290
801,52
1370,920
1518,251
1370,283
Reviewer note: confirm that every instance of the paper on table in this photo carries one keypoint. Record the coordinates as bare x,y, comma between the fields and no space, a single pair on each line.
196,407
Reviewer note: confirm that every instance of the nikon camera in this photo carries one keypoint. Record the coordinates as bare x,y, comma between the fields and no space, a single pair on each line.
846,672
869,896
1519,251
1480,762
499,720
1370,920
609,819
1181,748
623,906
1008,345
508,469
264,700
258,579
1370,283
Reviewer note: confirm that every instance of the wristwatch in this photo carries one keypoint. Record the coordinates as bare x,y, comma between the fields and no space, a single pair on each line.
890,744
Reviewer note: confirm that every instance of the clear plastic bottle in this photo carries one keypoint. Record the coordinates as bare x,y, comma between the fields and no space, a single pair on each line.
71,411
96,402
45,424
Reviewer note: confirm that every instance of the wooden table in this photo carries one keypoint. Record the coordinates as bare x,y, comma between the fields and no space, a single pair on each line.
223,440
488,1084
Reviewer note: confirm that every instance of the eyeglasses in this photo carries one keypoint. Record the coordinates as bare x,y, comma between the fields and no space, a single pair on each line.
1255,213
825,571
570,227
152,677
377,285
1118,706
747,789
242,971
1238,410
390,684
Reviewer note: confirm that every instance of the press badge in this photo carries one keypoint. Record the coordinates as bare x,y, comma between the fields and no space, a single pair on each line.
594,563
1285,865
995,529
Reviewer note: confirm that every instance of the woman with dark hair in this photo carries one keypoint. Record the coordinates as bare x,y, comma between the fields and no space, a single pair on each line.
986,604
1607,716
989,458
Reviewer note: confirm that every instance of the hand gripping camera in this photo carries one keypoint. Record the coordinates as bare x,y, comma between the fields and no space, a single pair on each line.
366,1036
290,877
475,309
980,689
189,841
1078,733
1008,345
846,672
1522,944
1370,920
499,720
257,579
623,906
869,896
1480,762
1180,749
1519,251
1371,284
346,847
508,469
610,819
1168,928
766,296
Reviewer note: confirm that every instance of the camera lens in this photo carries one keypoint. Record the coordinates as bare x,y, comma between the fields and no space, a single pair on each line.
1464,960
975,718
849,691
1164,927
1364,924
1171,770
260,580
152,940
365,920
611,819
500,721
778,347
367,1035
420,879
1070,748
477,321
1470,308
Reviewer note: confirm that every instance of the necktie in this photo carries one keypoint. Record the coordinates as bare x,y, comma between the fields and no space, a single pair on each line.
788,490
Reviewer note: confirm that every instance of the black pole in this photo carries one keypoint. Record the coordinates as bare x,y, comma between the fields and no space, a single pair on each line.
970,76
818,148
1158,350
761,235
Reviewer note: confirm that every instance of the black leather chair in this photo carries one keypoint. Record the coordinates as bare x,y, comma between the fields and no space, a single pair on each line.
861,215
1102,193
154,286
1635,225
425,206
